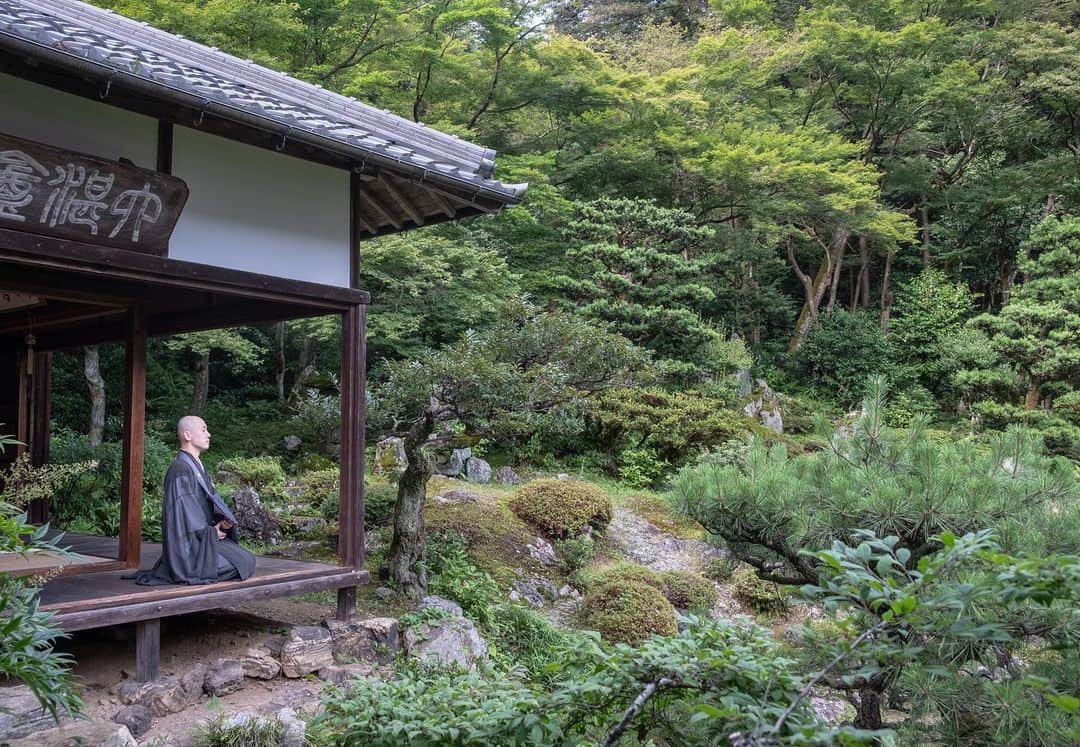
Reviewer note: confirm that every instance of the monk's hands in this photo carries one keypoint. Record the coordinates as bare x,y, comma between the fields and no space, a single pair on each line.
220,531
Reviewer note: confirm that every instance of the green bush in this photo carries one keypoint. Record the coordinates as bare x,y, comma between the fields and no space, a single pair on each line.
519,636
320,485
640,468
763,597
624,572
688,591
256,732
562,507
841,350
454,575
628,612
379,500
256,472
720,567
575,553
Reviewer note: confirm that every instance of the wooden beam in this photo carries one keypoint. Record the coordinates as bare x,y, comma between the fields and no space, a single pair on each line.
397,196
357,220
164,146
131,479
444,204
376,204
353,384
206,599
147,649
40,418
54,317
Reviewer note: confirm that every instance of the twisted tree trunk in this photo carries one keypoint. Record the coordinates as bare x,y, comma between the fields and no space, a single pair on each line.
408,549
96,384
202,383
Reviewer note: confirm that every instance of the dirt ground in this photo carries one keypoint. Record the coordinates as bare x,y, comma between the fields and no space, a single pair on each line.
106,657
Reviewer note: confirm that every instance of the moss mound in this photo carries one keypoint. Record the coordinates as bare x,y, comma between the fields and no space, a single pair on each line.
628,612
764,597
687,590
561,507
624,572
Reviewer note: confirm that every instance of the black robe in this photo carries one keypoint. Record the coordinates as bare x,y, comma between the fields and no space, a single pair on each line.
191,552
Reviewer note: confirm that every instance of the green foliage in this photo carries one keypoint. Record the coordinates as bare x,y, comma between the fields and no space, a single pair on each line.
763,597
720,568
379,500
575,553
628,612
687,590
261,473
454,575
640,468
621,572
562,507
254,732
320,486
521,638
841,350
26,633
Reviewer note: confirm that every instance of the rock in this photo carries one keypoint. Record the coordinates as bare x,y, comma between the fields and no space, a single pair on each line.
340,674
772,420
81,732
478,471
294,731
647,544
21,713
384,593
458,496
373,639
743,385
291,443
562,476
535,590
259,663
454,464
542,552
507,476
191,683
223,677
255,521
307,649
137,718
452,641
163,696
243,718
389,456
308,524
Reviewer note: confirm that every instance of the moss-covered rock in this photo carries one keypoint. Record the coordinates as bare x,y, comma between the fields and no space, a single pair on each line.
628,612
688,590
620,573
763,597
562,507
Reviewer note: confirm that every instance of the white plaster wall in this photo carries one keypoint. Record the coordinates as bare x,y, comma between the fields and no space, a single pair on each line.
261,211
63,120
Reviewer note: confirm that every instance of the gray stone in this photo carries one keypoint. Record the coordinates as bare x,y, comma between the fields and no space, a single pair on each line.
383,593
307,649
373,639
743,384
506,476
163,696
191,683
223,677
79,732
340,674
452,641
137,718
454,464
21,713
255,521
477,470
458,496
562,476
389,456
291,443
773,420
260,664
535,590
542,552
308,524
295,730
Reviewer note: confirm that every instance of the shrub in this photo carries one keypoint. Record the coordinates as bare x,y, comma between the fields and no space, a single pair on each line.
575,553
454,575
720,567
624,572
763,597
628,612
379,500
520,636
256,472
687,590
841,350
640,468
561,507
320,485
254,732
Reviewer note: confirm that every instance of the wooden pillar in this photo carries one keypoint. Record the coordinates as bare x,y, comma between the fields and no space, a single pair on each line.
147,650
134,426
32,422
353,394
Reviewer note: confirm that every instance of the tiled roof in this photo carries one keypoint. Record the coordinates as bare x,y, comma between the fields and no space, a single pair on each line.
84,38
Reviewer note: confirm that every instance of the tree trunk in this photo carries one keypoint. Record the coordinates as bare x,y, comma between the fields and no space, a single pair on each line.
408,550
864,273
886,294
202,383
92,371
814,290
868,712
307,365
838,265
279,376
924,214
1031,399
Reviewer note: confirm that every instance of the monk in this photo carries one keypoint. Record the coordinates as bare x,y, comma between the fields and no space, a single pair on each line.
198,530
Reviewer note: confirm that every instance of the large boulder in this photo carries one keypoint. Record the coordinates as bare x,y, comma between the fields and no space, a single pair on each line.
255,521
260,664
307,649
507,476
373,639
389,456
477,470
224,676
137,718
452,640
454,464
21,713
81,732
163,696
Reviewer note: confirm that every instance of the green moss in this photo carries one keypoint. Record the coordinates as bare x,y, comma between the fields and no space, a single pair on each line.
763,597
624,572
258,472
628,612
687,590
660,513
562,507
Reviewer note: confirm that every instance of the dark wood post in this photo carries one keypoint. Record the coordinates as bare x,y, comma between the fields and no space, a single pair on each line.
134,425
147,649
353,394
40,417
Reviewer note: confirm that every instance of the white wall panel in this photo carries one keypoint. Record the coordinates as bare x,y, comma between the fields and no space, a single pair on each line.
261,211
63,120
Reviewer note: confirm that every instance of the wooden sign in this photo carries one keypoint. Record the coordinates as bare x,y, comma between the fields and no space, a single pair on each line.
69,195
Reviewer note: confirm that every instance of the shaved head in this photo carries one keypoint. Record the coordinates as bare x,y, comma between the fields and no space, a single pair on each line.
193,435
189,423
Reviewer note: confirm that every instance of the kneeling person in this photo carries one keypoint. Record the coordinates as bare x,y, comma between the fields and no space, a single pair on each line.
198,530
